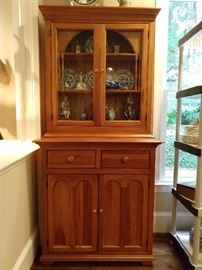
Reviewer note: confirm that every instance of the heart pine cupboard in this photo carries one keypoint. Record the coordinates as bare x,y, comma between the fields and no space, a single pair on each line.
97,151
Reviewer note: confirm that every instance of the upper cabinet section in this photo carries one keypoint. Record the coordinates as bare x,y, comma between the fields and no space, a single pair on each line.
98,71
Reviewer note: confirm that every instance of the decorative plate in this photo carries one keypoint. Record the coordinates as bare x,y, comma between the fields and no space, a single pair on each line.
84,2
71,78
124,78
89,45
88,79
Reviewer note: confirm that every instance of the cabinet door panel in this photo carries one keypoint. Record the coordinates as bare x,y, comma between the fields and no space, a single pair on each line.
72,205
126,74
123,212
76,78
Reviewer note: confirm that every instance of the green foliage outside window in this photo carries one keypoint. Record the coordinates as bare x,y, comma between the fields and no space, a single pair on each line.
183,15
185,160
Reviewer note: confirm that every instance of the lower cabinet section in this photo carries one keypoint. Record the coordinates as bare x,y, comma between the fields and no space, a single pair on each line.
78,212
100,208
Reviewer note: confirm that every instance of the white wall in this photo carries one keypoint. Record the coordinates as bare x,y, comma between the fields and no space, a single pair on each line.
19,119
17,212
7,92
19,101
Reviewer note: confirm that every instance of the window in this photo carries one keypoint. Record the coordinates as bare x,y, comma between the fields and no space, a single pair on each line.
182,16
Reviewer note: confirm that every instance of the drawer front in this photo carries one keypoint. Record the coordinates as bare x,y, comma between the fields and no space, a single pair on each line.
126,159
71,159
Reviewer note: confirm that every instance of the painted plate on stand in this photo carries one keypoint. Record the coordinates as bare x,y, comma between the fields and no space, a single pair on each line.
88,79
71,78
125,79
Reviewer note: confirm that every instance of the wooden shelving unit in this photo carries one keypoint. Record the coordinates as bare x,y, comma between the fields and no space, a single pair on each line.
189,246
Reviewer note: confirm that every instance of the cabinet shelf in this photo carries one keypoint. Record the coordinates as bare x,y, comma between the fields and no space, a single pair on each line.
189,148
75,91
89,91
70,55
88,56
120,91
186,202
181,239
193,91
187,189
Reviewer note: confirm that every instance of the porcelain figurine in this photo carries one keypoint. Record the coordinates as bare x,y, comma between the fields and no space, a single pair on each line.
124,3
111,114
129,113
65,108
81,84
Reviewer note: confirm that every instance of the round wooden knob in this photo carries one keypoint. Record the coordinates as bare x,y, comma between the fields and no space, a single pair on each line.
96,70
70,158
125,159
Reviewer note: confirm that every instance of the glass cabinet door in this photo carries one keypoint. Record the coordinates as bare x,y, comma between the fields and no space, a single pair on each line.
75,79
124,75
101,75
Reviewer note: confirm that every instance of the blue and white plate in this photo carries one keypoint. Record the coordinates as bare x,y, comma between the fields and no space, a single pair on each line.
71,78
125,79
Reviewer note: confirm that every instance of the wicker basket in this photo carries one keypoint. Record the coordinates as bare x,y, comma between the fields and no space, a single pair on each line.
191,135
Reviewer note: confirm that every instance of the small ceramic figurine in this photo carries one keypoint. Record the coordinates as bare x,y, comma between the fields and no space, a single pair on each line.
81,84
129,113
65,108
124,3
83,116
78,48
111,114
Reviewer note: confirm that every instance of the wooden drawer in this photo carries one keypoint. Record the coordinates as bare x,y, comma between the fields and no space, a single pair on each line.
126,159
71,159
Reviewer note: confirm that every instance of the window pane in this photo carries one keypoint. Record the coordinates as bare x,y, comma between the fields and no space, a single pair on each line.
183,15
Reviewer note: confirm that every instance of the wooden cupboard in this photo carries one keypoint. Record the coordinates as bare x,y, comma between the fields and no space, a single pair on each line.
97,157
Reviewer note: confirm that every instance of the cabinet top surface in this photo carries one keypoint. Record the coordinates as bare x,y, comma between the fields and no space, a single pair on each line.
111,140
98,14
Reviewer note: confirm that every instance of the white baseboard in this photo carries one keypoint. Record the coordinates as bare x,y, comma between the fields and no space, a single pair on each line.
163,221
28,254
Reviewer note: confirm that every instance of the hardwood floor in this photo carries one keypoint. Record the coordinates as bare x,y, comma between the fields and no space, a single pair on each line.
166,258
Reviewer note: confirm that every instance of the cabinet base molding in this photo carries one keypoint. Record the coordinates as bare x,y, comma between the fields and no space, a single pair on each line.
144,259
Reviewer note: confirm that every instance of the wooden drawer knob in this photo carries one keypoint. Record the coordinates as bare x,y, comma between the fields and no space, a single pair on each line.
70,158
125,159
